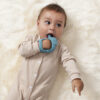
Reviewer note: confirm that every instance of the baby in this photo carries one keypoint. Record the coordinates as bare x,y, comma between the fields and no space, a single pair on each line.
39,70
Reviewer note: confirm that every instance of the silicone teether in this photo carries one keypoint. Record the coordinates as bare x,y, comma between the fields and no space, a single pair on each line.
53,43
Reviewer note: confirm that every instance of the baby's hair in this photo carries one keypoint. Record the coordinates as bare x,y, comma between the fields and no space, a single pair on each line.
54,7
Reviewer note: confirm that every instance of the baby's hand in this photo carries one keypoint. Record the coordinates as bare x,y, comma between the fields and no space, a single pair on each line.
78,84
46,44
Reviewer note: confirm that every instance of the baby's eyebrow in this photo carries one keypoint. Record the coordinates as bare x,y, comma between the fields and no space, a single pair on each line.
56,20
46,18
59,21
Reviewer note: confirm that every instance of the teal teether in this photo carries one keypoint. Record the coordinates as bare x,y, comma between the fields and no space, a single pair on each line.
53,44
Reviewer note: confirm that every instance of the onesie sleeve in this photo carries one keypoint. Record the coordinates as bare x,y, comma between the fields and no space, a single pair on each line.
69,63
28,47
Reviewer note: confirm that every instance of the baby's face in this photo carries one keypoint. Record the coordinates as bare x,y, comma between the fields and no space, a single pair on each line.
51,22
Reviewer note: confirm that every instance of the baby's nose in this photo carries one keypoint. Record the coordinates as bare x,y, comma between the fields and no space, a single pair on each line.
52,27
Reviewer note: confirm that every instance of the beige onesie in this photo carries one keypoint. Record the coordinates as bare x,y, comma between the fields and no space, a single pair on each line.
39,70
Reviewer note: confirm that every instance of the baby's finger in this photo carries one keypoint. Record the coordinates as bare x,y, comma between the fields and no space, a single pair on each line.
79,91
73,88
83,86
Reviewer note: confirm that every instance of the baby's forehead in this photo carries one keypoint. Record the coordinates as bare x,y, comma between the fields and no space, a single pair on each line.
51,13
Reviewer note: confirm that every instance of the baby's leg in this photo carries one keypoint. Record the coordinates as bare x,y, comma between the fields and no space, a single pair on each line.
14,93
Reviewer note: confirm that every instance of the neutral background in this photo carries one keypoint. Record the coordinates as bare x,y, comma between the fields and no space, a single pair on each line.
82,36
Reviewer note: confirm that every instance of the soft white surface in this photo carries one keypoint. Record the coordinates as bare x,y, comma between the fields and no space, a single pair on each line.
82,36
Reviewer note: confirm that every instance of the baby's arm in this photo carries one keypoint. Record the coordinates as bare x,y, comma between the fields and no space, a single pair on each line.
69,63
28,48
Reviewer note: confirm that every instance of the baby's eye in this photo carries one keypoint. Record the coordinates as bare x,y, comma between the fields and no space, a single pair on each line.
58,25
47,22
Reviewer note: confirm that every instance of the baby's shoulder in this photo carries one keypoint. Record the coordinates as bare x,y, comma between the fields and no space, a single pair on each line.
30,36
62,46
63,49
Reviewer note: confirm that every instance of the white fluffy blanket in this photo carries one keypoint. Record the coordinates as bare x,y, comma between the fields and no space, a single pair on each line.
18,18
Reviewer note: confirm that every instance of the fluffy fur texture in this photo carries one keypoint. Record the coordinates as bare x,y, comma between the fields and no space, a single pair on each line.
18,18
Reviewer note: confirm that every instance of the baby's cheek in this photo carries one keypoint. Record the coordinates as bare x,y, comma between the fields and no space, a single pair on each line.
57,36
